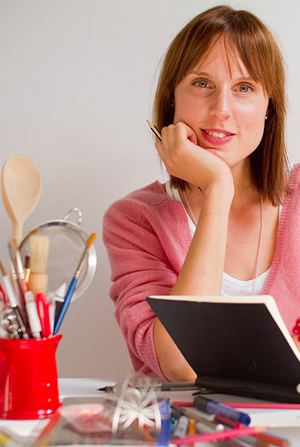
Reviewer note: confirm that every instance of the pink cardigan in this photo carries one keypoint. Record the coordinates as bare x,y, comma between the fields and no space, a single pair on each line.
147,237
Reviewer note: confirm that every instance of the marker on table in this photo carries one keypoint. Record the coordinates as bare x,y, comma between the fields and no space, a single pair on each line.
198,416
181,427
165,430
163,386
214,407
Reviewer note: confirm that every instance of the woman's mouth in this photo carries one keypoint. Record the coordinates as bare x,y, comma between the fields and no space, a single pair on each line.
217,136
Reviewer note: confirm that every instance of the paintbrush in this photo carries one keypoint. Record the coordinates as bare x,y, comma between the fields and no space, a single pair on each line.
27,268
155,130
73,284
39,250
18,269
13,302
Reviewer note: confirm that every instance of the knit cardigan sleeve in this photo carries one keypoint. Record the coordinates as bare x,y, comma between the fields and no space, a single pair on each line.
140,267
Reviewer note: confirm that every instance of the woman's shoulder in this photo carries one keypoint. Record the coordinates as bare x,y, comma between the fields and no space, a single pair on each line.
294,177
151,196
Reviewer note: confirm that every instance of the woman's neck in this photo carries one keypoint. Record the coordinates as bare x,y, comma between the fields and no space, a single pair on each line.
244,190
241,175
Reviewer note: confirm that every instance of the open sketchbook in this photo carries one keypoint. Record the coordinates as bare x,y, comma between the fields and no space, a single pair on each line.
236,344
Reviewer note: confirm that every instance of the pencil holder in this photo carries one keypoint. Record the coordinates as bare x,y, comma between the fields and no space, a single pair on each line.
28,378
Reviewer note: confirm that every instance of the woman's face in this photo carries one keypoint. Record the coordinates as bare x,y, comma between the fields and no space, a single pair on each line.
223,105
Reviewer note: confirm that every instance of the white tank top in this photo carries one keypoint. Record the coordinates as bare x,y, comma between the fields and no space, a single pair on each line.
230,285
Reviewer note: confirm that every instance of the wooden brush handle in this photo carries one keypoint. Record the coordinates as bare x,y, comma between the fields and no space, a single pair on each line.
38,283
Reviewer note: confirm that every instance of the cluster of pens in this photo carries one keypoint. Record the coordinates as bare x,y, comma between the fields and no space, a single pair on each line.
207,420
26,310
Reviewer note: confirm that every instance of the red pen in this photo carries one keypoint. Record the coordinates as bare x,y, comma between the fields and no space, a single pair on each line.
43,308
227,421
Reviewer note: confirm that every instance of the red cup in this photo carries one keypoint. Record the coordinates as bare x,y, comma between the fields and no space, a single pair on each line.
28,378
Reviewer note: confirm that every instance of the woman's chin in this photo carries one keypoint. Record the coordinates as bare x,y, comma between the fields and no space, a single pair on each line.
218,153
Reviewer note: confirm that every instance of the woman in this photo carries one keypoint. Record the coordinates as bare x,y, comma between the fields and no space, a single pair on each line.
214,228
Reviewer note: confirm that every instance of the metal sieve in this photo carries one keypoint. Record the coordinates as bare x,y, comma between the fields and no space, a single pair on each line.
66,245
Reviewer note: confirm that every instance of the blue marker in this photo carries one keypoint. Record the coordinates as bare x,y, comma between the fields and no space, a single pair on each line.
164,435
214,407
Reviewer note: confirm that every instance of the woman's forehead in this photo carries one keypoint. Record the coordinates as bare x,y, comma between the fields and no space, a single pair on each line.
222,54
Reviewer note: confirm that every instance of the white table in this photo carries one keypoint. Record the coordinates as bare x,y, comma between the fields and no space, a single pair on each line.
71,387
75,387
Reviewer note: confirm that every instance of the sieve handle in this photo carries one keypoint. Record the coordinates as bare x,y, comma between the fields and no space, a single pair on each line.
73,211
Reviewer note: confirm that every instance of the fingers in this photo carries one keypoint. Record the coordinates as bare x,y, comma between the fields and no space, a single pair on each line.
175,148
175,134
185,132
185,159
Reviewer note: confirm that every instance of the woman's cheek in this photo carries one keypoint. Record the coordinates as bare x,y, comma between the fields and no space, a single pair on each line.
190,110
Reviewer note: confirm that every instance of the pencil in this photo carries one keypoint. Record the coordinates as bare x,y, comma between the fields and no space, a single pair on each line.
210,437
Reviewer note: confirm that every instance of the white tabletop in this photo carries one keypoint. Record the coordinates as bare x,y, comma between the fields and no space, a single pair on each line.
69,387
75,387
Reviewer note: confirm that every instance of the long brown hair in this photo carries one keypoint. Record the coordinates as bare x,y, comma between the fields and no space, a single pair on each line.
259,52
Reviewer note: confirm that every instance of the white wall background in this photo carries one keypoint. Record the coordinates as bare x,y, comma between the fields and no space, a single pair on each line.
76,84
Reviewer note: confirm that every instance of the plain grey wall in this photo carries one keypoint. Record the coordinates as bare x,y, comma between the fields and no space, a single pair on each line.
76,84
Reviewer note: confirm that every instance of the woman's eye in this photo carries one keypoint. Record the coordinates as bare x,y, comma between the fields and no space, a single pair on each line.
201,83
245,88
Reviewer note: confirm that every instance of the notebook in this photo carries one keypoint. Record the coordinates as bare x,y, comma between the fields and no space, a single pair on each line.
235,344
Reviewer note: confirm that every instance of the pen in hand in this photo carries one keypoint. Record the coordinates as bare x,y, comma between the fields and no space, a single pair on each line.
155,130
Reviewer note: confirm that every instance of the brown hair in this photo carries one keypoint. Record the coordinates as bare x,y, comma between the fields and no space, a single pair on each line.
259,52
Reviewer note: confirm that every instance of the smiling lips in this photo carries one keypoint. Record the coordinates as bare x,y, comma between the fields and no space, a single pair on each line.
217,136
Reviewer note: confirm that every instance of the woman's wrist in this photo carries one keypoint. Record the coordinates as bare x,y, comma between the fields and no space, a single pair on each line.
217,198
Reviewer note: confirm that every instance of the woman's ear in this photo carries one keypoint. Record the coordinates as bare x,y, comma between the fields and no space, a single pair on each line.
172,101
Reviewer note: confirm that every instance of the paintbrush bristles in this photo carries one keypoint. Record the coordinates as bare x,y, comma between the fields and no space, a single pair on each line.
39,250
90,240
88,243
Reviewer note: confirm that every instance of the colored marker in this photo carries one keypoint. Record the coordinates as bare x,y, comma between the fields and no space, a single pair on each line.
214,407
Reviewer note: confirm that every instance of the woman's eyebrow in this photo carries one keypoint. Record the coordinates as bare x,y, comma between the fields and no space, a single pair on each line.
199,73
209,75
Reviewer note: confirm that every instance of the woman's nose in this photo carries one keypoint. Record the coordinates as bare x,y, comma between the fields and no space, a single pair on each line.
221,105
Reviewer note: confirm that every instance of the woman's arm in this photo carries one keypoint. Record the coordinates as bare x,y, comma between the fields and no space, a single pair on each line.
201,274
143,265
202,271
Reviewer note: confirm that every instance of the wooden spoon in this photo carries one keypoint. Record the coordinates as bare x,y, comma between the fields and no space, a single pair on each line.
21,190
